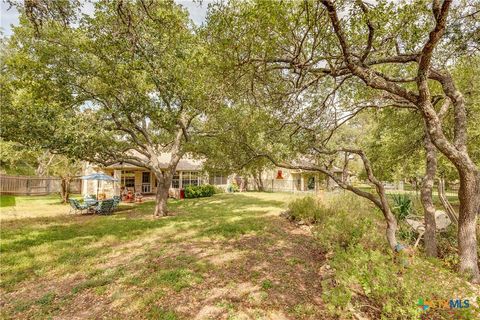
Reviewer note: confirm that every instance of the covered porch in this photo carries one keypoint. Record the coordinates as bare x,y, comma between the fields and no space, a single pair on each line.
307,181
138,180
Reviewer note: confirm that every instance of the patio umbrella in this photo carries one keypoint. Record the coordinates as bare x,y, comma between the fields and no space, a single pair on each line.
99,177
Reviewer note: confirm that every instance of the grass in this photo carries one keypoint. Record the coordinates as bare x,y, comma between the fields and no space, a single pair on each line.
7,201
32,206
222,256
229,256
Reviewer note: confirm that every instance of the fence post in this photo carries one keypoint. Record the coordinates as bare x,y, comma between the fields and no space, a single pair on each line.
28,187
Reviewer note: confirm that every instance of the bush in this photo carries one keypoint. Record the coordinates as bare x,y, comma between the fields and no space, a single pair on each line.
370,282
340,221
308,210
205,190
402,206
342,230
365,277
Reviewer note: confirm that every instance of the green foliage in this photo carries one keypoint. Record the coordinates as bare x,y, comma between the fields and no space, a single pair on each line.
406,233
160,313
378,281
205,190
233,187
308,210
267,284
402,205
117,98
7,201
345,222
365,271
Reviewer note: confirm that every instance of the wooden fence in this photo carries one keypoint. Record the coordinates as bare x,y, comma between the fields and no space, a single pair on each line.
25,185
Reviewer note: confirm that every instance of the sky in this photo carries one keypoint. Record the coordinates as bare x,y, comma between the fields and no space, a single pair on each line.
9,16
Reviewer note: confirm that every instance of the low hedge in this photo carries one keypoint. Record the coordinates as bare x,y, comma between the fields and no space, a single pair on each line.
205,190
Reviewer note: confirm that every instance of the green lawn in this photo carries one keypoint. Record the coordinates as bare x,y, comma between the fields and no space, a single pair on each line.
32,206
7,201
229,256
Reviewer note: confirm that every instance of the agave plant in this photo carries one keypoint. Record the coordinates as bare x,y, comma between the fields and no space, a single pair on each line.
402,205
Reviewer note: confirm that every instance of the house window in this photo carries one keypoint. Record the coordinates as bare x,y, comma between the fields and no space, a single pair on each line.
176,181
217,179
129,182
128,179
190,178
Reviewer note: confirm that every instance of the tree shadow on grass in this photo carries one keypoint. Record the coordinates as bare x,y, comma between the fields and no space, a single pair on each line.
199,212
221,249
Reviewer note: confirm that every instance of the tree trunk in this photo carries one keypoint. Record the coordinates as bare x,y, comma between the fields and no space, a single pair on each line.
391,230
161,196
260,183
427,199
329,185
161,202
257,177
65,189
469,196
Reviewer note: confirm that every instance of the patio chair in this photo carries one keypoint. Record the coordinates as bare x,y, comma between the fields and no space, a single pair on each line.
77,207
104,207
116,202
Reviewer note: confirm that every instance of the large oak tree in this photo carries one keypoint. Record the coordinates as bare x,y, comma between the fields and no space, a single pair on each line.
123,84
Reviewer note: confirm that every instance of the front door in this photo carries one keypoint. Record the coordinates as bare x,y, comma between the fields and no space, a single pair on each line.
146,182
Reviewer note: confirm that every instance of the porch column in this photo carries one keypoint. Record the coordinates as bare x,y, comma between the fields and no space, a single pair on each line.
302,182
117,174
180,185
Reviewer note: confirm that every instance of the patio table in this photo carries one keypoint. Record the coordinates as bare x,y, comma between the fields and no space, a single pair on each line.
91,202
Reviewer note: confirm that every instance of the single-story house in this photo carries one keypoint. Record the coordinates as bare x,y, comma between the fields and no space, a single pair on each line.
190,172
140,180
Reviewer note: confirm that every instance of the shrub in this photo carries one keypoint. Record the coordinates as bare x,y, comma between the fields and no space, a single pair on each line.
340,220
343,229
205,190
365,277
308,210
371,278
406,233
402,206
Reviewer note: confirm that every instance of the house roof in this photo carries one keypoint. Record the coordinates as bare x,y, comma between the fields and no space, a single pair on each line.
185,164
